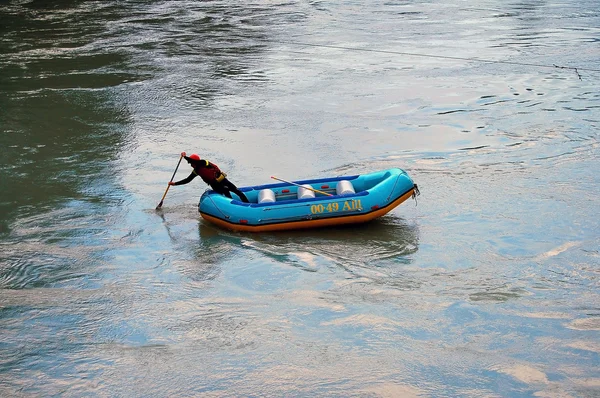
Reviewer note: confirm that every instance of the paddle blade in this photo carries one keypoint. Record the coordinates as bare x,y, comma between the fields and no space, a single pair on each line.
159,205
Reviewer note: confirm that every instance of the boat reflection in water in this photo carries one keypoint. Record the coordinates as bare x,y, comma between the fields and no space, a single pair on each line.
377,249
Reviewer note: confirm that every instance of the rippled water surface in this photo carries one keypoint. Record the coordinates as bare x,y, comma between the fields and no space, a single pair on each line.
488,285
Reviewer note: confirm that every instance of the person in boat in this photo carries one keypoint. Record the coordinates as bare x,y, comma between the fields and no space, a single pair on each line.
212,175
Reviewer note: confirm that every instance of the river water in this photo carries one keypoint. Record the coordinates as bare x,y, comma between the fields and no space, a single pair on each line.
487,285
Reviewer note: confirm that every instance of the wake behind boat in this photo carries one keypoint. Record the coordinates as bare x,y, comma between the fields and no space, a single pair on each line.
310,203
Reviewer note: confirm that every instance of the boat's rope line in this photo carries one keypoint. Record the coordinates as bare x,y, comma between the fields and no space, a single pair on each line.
393,187
416,193
448,57
217,207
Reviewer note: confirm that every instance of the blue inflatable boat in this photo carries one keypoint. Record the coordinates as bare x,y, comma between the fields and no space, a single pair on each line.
310,203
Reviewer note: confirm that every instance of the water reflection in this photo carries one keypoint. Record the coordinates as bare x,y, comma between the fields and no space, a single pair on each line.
67,113
482,295
62,123
377,250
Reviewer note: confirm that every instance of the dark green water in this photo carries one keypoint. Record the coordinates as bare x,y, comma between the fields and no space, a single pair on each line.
488,287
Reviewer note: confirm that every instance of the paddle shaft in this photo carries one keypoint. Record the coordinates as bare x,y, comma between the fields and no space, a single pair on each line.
298,185
169,185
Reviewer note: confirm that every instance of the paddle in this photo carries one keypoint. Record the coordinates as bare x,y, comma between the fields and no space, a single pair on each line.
298,185
169,186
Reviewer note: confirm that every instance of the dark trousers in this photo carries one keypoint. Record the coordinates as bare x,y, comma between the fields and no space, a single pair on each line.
225,187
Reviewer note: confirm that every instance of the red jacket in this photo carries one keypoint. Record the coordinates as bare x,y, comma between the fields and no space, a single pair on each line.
209,172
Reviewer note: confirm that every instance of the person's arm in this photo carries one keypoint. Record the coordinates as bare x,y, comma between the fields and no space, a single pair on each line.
185,180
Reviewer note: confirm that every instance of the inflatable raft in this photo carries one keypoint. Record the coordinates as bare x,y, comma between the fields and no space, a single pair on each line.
310,203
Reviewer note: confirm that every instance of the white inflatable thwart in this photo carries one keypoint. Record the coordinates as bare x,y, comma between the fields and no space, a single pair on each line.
266,196
344,187
305,192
